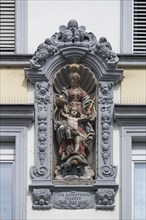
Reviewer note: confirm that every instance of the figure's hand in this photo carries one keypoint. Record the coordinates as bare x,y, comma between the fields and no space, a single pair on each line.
89,115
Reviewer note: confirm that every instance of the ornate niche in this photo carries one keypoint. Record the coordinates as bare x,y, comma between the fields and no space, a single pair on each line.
75,123
74,75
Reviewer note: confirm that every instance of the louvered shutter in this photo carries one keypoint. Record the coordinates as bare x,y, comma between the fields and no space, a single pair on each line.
139,26
7,26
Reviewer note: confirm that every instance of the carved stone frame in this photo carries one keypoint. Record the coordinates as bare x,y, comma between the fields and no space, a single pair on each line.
43,188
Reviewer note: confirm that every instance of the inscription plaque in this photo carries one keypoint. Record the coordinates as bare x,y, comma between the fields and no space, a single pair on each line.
73,200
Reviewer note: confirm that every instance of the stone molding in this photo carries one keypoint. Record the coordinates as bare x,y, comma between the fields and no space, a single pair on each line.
16,115
130,115
23,60
83,56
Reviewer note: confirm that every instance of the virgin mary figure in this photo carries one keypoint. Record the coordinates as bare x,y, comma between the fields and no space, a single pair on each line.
74,97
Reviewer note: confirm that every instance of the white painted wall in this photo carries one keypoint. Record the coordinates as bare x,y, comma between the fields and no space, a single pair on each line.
88,214
101,17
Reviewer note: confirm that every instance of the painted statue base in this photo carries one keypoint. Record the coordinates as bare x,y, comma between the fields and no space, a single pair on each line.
88,174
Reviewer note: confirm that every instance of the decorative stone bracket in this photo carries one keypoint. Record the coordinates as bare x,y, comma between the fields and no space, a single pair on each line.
50,56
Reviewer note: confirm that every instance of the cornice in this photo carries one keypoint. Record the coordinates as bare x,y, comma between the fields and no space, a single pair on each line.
131,60
22,60
15,60
130,115
18,115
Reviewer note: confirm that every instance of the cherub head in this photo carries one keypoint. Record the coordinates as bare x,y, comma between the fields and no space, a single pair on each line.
42,87
74,112
67,35
72,25
105,87
102,40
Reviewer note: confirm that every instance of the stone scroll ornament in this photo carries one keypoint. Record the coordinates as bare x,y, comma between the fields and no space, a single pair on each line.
104,50
106,170
74,35
41,102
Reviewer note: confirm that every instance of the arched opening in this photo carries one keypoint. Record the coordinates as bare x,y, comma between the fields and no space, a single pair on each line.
75,123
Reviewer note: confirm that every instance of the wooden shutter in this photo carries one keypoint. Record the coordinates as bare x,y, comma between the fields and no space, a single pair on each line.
139,26
7,26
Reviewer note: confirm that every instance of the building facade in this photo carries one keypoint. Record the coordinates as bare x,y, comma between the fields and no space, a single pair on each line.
115,80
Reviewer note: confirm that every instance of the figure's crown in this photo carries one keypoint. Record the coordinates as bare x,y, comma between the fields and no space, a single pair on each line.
74,67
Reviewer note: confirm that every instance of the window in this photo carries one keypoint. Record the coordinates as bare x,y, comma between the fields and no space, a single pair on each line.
133,173
133,26
7,170
139,26
13,173
139,181
13,19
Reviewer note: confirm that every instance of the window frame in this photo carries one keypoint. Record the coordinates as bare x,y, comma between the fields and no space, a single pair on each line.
21,26
128,136
20,167
13,184
126,27
138,157
128,40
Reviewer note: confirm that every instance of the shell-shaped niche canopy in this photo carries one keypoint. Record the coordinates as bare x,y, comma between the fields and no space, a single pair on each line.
88,82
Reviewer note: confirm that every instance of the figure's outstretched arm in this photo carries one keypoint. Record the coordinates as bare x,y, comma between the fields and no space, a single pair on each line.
64,114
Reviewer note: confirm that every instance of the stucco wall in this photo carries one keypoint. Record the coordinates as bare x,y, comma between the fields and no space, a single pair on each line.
13,86
133,86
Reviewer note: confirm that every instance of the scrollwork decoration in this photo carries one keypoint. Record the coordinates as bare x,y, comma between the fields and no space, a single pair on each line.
72,34
104,50
43,52
41,99
106,103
